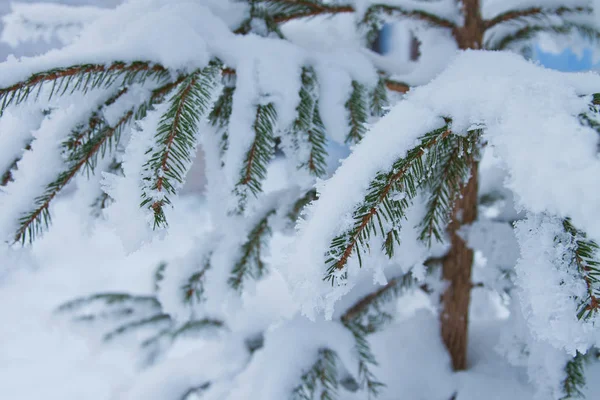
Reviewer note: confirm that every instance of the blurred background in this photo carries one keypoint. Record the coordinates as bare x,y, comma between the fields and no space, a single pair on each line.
40,46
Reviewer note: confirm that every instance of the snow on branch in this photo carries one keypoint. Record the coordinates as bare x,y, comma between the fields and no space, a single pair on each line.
250,263
308,131
585,257
451,174
321,380
81,149
176,139
286,10
358,109
527,27
387,198
32,223
416,14
258,155
338,231
81,78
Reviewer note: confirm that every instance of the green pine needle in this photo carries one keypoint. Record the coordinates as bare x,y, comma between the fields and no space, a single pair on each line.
220,115
451,171
574,381
320,382
250,264
531,16
154,321
115,303
529,32
193,290
308,129
585,258
81,78
375,16
176,140
84,155
258,156
379,99
387,199
366,359
358,109
369,313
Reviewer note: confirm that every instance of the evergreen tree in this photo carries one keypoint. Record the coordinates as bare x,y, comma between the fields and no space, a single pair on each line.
132,103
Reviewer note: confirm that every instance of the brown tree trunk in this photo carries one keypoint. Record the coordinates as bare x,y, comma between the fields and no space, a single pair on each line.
457,264
456,271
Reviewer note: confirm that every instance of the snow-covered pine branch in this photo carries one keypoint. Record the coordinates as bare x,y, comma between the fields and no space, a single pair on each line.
148,83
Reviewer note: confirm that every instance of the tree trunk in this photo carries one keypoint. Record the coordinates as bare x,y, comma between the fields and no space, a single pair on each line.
457,264
456,270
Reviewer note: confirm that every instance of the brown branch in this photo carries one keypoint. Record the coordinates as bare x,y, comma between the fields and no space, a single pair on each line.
60,73
315,10
386,190
162,91
396,86
512,15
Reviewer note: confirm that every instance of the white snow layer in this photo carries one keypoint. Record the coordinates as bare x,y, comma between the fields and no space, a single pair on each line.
529,113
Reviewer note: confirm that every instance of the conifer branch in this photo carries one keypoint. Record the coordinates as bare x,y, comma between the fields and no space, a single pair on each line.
591,118
374,301
32,223
308,129
366,358
379,98
320,382
110,300
417,15
194,288
159,275
585,257
281,11
403,178
367,316
220,115
530,31
155,320
250,263
454,165
82,149
81,78
537,12
358,109
196,392
316,162
258,156
176,139
302,202
197,325
574,381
